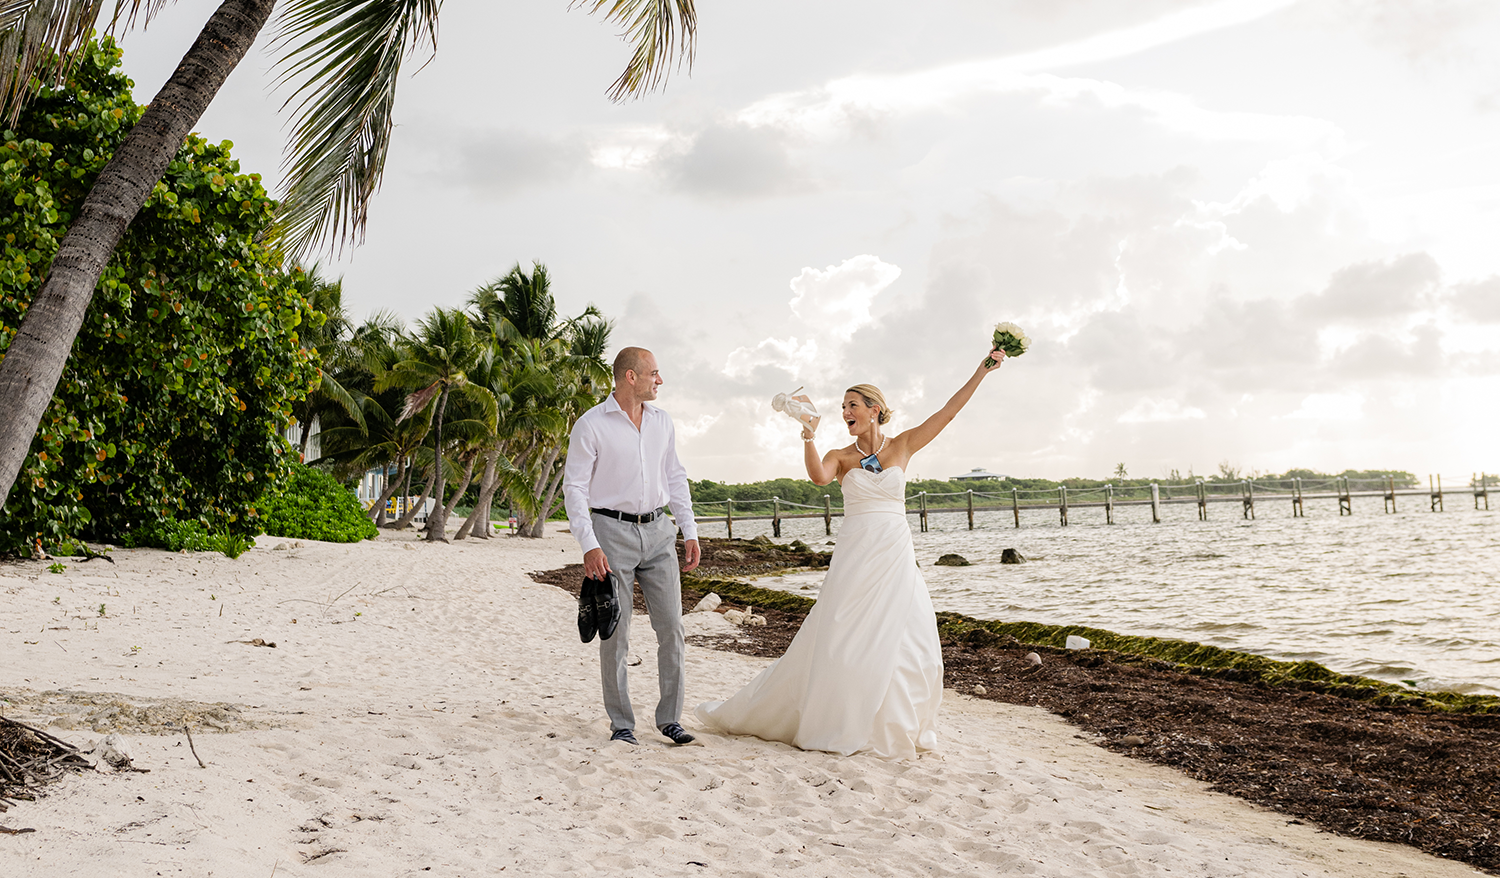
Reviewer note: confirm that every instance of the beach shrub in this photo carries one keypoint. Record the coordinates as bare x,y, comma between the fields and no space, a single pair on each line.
184,373
169,534
314,506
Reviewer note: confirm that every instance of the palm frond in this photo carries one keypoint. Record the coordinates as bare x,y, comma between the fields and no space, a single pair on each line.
343,59
660,29
39,40
419,400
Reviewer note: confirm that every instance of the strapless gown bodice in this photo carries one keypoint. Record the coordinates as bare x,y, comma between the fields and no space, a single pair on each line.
865,671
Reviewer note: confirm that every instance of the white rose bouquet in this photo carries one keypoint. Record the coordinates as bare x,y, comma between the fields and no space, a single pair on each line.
1011,339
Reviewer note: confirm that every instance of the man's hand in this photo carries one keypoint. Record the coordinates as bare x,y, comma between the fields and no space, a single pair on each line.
595,565
693,553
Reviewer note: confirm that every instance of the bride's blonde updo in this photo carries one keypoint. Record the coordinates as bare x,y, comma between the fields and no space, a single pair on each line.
873,398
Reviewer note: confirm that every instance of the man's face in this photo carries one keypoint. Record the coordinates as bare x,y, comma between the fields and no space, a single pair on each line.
647,379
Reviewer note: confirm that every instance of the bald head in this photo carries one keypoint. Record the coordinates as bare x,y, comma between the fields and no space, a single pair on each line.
631,360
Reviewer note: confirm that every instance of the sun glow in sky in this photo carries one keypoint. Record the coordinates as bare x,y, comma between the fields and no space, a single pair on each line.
1254,231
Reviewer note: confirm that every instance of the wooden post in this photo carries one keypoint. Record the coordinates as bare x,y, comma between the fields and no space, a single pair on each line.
1390,494
1247,498
1062,503
827,515
1346,502
1155,504
970,492
922,502
1482,490
729,517
776,516
1015,504
1202,501
1109,504
1437,493
1297,511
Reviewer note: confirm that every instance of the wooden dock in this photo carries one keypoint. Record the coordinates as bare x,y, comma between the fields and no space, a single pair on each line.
1246,494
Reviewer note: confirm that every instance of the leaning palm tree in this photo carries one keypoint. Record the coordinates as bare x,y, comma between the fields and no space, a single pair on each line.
438,357
341,62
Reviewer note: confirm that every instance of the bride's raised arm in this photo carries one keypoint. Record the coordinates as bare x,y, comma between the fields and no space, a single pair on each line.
915,439
821,470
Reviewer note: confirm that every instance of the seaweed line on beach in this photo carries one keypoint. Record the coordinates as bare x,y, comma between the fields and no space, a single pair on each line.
1354,756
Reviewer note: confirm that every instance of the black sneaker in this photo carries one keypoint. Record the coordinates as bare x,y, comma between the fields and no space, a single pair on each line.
677,733
628,736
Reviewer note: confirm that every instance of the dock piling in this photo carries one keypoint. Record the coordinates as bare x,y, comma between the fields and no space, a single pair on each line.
776,516
1247,498
1436,491
1109,504
729,517
1062,503
971,508
1346,500
1390,494
1015,504
1155,504
827,515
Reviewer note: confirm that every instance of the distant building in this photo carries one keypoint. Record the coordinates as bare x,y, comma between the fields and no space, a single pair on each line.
975,474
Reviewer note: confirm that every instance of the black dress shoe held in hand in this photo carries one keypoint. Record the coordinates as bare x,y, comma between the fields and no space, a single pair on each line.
588,622
598,607
625,735
606,604
677,733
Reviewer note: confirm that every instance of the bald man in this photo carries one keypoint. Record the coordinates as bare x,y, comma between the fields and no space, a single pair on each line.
622,467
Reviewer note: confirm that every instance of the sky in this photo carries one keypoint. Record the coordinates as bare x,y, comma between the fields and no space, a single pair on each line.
1259,233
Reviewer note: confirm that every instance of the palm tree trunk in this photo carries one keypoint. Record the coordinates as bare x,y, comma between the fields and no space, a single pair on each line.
437,523
533,527
478,522
548,506
390,488
459,493
413,509
37,355
306,423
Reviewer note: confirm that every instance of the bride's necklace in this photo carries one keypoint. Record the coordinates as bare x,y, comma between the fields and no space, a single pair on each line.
877,451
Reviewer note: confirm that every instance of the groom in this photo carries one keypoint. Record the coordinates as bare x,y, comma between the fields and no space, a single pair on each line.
622,467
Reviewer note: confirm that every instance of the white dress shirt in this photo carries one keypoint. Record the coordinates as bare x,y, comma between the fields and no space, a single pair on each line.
612,465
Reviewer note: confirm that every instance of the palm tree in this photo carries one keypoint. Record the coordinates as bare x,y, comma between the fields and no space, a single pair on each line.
333,342
342,60
438,357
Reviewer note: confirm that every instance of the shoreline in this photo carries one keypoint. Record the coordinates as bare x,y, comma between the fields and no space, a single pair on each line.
428,710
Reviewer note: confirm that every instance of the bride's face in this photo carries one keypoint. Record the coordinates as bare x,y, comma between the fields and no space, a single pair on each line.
858,416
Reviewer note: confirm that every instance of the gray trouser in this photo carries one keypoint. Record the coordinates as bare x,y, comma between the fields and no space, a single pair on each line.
646,553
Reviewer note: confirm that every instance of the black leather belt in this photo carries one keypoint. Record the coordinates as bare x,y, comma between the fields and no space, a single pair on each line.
631,517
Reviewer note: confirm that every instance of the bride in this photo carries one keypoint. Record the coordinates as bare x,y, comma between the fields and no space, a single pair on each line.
865,672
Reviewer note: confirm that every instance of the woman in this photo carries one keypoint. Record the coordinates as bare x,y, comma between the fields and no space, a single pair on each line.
865,672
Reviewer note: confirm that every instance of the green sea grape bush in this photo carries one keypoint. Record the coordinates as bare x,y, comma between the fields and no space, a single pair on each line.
314,506
188,364
170,534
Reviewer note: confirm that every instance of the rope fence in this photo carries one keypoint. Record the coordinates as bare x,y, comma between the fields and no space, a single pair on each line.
1245,492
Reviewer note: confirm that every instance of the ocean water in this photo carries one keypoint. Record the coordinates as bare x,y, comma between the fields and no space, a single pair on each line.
1408,597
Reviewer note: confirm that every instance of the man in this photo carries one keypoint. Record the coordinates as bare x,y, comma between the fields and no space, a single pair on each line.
622,467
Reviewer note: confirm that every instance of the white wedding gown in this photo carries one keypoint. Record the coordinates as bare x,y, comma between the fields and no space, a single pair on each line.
865,672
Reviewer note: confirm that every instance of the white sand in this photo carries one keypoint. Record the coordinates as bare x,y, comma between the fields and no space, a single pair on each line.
432,712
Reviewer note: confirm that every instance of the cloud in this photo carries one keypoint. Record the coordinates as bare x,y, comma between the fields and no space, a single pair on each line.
1478,301
1152,410
506,162
1329,407
1377,290
837,299
732,161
